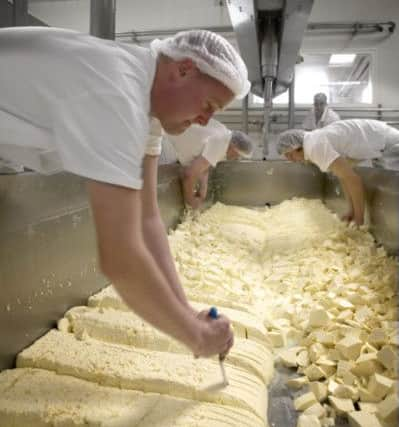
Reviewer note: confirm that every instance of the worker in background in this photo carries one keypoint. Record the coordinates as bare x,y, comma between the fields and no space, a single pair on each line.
72,102
200,147
320,115
337,147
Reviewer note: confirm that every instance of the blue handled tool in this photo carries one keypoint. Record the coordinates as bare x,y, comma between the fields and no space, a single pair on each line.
213,314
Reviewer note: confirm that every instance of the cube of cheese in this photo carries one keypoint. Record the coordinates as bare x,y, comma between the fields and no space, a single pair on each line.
297,383
277,338
349,379
379,385
318,318
371,408
346,392
378,336
319,390
366,365
305,401
316,409
343,367
366,396
314,372
350,347
342,406
302,358
308,421
387,357
388,409
288,357
363,419
316,350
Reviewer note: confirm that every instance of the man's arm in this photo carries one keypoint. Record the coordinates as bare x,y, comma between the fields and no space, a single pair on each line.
353,187
154,231
191,175
126,261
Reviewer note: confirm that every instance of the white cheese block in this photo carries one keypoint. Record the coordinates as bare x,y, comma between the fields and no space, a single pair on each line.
246,325
176,374
39,398
124,327
363,419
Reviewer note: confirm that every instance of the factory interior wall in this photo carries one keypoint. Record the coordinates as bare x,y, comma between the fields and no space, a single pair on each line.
170,14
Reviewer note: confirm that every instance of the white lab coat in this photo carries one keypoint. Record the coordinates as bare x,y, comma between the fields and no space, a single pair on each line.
72,102
356,140
329,116
210,141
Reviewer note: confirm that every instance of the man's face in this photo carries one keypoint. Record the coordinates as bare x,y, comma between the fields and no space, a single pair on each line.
319,107
232,153
295,155
190,97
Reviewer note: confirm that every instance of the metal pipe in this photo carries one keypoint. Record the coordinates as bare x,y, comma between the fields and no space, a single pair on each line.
229,31
102,18
269,61
245,114
291,103
20,13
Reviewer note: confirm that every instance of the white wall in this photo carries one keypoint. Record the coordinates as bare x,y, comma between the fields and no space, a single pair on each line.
386,65
139,15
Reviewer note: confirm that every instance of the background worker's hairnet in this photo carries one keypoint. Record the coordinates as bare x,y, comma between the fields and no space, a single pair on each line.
290,140
242,143
212,54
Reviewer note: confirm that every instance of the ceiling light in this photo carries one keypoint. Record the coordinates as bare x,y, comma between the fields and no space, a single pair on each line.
342,59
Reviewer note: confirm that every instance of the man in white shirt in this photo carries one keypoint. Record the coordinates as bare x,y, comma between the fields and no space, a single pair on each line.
337,146
72,102
200,147
320,115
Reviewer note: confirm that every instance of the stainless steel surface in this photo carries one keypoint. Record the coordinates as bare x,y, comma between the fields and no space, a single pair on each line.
102,18
252,20
256,183
245,114
48,251
269,55
382,193
291,104
244,19
293,26
20,12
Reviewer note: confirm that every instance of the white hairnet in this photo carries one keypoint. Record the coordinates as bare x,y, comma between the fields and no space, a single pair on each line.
242,143
212,54
290,140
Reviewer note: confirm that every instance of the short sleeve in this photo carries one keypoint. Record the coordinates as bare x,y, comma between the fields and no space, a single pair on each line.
154,140
216,147
102,137
319,151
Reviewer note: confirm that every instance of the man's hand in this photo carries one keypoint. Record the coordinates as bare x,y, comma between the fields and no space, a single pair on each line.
348,217
353,188
216,336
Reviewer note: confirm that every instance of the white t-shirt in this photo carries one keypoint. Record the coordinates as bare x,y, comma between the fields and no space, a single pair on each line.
329,116
210,141
356,140
74,102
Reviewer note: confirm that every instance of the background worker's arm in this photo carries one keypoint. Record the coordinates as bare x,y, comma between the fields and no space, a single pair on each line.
191,175
127,262
353,188
155,237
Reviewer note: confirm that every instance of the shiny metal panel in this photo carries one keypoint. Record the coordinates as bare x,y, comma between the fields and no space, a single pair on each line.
102,18
256,183
244,20
48,251
293,26
382,198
